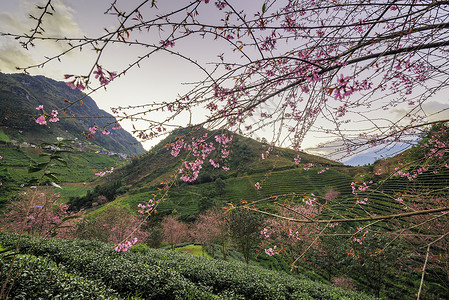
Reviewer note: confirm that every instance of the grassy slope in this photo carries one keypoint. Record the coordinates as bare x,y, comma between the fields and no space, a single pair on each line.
75,179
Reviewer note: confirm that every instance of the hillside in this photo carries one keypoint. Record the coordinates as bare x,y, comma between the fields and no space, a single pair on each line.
278,174
343,252
20,94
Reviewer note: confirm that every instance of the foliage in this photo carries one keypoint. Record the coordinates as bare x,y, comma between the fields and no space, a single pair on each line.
175,231
39,213
41,278
114,224
212,227
245,226
101,194
156,274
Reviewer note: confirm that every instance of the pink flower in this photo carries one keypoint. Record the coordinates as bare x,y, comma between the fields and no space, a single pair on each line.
71,84
93,129
257,185
54,116
167,43
220,4
122,247
271,251
105,132
297,159
41,120
214,164
40,107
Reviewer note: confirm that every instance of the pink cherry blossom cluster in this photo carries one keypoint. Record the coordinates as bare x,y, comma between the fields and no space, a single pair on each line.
220,4
268,44
271,251
214,163
411,175
378,172
362,187
123,247
101,174
297,159
77,83
102,77
167,43
257,185
364,201
265,232
322,171
41,120
145,208
176,147
201,149
191,170
343,89
267,152
309,200
308,166
95,128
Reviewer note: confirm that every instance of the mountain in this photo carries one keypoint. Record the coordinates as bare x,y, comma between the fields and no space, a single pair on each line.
20,94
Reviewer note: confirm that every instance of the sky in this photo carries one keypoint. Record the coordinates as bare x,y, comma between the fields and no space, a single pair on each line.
161,78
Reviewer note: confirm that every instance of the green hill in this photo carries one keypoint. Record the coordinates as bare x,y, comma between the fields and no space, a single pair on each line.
278,174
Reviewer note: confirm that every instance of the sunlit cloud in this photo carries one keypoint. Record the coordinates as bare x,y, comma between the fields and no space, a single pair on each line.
431,110
11,56
61,24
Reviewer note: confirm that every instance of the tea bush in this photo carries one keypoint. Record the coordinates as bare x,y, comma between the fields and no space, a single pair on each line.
157,274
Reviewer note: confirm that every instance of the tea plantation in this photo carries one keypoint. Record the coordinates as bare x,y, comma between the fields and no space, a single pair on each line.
78,269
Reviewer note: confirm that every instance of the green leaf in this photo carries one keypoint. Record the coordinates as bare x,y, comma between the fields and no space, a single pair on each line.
264,8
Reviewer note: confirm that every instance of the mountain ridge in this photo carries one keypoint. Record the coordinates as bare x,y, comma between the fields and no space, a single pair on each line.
20,94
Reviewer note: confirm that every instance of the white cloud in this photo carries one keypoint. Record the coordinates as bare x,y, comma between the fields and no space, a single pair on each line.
431,110
61,24
12,56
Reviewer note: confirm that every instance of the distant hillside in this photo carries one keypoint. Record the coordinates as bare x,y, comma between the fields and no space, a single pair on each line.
277,174
20,94
158,164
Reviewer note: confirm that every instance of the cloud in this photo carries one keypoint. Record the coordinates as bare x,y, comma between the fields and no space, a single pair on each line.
432,110
61,24
12,56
